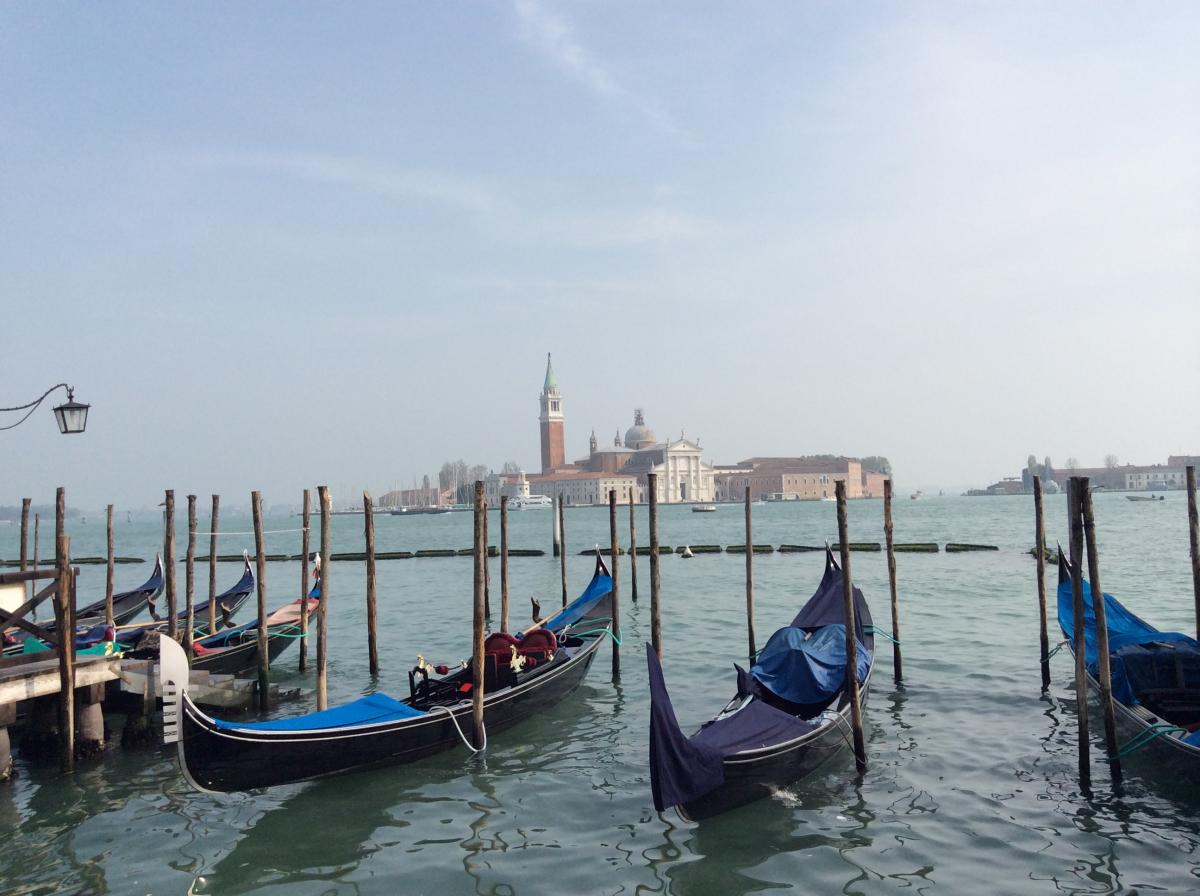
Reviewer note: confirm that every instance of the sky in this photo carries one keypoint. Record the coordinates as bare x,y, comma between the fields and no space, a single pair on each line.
285,244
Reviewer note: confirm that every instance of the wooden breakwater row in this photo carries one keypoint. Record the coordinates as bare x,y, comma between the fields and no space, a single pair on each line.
641,550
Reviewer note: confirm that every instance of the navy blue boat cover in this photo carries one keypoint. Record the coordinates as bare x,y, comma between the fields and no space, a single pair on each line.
807,667
1130,640
683,769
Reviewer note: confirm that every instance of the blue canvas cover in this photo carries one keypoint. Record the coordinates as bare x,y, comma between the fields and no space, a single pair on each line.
804,667
1134,645
364,711
600,586
827,605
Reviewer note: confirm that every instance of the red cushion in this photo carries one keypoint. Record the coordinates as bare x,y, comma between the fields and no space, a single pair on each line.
500,643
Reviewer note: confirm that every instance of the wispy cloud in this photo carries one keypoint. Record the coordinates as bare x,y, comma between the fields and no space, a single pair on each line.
552,36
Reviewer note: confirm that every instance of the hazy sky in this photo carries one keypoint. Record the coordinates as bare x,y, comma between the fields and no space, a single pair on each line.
283,244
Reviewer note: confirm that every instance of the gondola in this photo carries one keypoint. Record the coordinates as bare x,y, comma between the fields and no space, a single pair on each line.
126,606
228,603
523,677
1155,677
790,712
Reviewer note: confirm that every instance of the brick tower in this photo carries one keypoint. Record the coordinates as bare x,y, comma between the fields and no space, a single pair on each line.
551,419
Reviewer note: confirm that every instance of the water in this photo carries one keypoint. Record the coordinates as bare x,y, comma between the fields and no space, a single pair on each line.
971,784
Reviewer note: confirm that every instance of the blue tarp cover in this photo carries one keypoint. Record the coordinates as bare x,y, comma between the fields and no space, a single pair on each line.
807,668
600,585
1129,638
365,711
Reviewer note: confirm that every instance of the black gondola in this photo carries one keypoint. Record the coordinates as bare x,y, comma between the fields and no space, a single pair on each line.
791,712
127,604
1155,678
523,676
228,603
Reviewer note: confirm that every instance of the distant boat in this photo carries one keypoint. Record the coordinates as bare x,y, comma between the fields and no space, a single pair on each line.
530,502
917,495
1145,498
418,511
827,498
704,508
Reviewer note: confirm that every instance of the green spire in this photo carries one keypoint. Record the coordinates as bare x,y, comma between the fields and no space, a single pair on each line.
551,384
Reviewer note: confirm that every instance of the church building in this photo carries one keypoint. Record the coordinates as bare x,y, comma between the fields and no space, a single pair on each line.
683,476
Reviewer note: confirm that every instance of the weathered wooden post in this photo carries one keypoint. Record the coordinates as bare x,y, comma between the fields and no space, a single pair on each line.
1194,541
487,573
554,524
37,519
1100,612
614,568
477,643
323,605
562,544
169,561
264,658
504,563
750,580
25,502
369,535
304,550
65,633
1039,547
632,550
212,564
60,529
1075,516
655,582
189,599
897,666
109,570
849,614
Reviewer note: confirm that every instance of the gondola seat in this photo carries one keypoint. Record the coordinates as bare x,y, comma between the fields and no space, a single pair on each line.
539,645
497,654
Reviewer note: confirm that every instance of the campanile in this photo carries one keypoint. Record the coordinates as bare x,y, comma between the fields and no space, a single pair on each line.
551,419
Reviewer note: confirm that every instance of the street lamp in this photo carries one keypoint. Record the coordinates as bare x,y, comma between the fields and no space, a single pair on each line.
71,415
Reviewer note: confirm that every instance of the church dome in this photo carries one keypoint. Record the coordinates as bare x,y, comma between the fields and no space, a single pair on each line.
639,435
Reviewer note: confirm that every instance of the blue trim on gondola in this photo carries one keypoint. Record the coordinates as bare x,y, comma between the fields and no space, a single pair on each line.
372,710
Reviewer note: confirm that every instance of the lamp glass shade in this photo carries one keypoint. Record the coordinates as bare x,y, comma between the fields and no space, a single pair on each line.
72,417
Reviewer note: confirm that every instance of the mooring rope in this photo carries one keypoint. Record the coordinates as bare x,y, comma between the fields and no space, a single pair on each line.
599,631
1145,738
873,630
1057,647
457,728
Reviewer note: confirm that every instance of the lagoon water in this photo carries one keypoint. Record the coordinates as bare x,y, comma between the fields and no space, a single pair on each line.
971,786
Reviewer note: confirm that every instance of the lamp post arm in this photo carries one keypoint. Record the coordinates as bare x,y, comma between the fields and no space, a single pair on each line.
32,406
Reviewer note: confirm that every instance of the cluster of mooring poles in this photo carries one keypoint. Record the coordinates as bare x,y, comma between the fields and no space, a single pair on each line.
1082,527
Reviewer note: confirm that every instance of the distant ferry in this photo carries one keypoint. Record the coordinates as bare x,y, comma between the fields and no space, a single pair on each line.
530,502
703,508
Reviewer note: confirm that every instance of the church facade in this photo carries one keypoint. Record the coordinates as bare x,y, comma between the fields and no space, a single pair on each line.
682,474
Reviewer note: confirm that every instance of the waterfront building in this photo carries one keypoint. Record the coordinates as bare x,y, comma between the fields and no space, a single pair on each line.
796,479
510,485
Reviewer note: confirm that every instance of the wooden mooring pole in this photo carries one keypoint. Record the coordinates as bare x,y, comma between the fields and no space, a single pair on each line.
1099,611
37,520
562,544
212,564
109,568
614,569
655,582
1075,516
1194,541
849,614
632,551
504,563
750,581
897,665
487,572
169,561
323,606
25,503
189,588
65,631
557,534
304,550
369,535
260,574
477,658
1039,548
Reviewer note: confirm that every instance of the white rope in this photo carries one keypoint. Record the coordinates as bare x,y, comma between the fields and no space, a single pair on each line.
199,532
466,742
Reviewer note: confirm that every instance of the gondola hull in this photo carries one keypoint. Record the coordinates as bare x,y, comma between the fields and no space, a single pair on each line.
753,775
242,659
223,759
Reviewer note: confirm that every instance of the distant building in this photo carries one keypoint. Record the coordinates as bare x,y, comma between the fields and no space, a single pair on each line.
1155,478
796,479
682,473
415,497
510,485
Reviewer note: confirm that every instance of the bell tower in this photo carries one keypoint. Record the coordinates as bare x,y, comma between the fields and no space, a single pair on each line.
551,419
